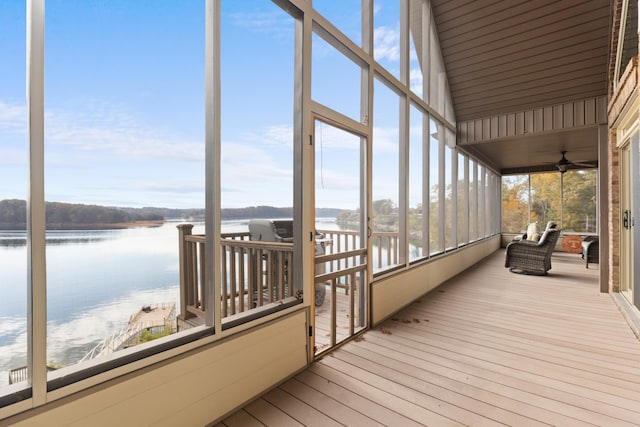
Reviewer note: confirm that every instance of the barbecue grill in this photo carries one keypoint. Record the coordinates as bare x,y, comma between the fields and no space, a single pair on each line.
267,230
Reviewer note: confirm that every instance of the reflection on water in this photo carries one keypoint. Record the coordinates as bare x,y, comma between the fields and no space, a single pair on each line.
12,239
95,281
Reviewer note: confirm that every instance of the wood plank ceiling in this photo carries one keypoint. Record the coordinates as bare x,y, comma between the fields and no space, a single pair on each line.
506,56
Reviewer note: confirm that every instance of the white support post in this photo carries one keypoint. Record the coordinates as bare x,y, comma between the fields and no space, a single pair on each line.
36,227
212,162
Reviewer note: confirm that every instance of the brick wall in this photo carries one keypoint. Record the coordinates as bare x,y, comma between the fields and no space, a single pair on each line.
614,214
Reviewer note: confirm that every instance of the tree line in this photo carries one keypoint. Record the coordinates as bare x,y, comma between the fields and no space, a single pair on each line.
72,216
570,199
13,214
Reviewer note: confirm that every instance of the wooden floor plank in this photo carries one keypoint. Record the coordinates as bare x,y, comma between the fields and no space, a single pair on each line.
487,347
454,387
579,372
241,418
270,415
346,392
338,411
302,412
527,389
521,339
544,373
548,323
434,400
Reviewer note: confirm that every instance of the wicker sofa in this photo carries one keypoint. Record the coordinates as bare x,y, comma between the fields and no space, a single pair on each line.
530,257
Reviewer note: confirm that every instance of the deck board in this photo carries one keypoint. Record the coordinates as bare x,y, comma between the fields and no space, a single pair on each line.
270,415
327,404
301,411
488,347
242,419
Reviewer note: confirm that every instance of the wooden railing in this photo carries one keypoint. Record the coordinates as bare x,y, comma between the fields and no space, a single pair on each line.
253,273
192,273
256,273
352,280
384,247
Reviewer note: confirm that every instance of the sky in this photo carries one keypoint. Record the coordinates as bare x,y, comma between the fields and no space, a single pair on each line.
124,101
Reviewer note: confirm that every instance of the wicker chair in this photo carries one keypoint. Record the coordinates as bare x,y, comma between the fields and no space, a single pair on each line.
591,250
528,257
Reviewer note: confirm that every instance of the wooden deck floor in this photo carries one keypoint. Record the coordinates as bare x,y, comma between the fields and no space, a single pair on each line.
487,348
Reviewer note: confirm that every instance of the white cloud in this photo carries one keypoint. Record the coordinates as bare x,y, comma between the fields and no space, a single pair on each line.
106,129
253,175
281,135
13,117
100,127
275,23
385,140
328,179
332,137
386,44
13,156
415,80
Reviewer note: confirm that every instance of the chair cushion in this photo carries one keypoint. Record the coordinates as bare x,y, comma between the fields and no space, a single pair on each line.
533,232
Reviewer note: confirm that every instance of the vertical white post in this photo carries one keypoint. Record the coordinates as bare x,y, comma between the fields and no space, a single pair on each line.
404,132
212,162
441,187
466,200
454,194
36,228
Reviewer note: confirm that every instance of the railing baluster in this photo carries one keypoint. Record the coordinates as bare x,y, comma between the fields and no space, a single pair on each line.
396,241
389,250
289,275
352,302
281,264
184,232
241,279
251,252
354,246
232,280
334,309
203,287
223,266
261,272
188,270
193,249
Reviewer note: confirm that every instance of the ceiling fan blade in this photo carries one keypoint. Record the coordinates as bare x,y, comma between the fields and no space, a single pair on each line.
586,164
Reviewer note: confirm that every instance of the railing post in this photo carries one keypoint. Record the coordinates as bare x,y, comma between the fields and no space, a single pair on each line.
183,231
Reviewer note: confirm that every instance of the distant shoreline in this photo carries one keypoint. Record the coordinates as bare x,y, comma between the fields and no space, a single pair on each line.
119,225
70,226
74,216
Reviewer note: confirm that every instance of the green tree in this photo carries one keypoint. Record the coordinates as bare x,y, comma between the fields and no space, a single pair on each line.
515,203
146,335
545,197
579,200
384,215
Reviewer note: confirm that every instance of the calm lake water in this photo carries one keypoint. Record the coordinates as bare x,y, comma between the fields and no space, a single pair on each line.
96,280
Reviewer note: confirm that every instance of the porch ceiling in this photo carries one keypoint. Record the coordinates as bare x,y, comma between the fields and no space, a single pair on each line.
509,56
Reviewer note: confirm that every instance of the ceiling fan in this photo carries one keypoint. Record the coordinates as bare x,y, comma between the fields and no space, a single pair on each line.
564,164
